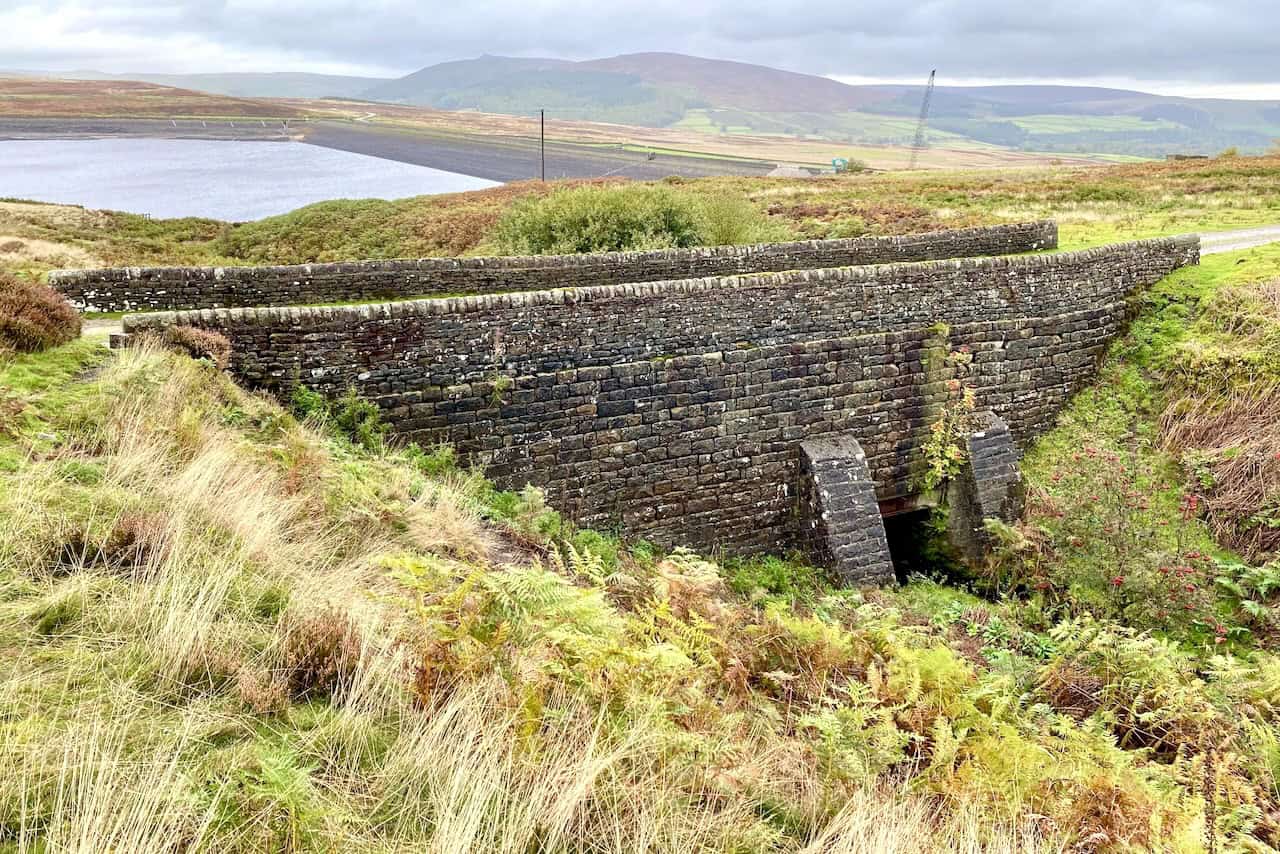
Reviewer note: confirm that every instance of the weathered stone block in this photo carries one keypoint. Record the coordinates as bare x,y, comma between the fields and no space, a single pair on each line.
839,512
989,486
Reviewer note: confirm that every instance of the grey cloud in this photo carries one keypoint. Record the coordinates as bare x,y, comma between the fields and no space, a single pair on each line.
1233,41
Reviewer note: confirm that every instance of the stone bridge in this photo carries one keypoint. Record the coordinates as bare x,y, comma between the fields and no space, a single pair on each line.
744,413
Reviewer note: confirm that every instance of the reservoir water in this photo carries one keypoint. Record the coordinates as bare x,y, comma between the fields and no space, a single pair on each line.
221,179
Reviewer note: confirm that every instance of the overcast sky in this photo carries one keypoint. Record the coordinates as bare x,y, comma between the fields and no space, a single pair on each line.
1229,48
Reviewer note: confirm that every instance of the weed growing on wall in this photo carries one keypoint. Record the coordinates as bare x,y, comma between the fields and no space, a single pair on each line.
351,416
944,449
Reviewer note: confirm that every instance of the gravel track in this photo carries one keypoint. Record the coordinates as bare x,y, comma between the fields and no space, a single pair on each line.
1212,242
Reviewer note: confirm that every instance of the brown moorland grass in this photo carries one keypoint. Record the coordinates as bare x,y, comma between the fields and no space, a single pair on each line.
1225,416
35,97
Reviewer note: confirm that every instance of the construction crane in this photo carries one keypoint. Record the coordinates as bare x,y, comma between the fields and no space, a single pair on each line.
918,143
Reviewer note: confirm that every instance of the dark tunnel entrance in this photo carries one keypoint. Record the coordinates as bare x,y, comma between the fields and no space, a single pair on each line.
917,545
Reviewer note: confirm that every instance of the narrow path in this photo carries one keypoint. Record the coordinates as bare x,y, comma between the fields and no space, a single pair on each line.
1212,242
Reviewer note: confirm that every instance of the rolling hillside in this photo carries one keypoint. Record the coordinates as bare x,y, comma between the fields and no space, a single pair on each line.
36,97
252,84
721,97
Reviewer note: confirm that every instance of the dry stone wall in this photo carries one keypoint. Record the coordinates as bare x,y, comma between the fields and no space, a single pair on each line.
177,288
676,409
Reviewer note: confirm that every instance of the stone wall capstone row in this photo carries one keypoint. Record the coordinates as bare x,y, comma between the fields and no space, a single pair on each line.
676,410
179,288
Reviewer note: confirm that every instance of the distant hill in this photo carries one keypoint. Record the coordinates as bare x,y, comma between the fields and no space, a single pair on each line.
571,90
724,98
46,98
740,85
252,84
651,89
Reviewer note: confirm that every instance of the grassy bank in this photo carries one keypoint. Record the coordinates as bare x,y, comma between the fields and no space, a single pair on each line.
234,631
233,626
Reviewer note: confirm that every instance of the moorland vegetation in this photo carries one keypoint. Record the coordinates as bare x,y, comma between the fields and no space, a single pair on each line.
1092,205
236,625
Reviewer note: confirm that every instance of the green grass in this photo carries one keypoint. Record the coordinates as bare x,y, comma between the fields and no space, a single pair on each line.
35,386
1077,123
306,645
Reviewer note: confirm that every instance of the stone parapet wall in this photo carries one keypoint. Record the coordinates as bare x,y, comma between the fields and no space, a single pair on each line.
412,344
179,288
676,410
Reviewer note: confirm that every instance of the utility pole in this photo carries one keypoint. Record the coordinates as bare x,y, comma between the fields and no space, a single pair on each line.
918,143
542,143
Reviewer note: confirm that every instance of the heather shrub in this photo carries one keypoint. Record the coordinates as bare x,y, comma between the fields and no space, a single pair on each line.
320,651
199,344
34,317
629,217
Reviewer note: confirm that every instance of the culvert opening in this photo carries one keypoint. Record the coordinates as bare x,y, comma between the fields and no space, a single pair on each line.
917,545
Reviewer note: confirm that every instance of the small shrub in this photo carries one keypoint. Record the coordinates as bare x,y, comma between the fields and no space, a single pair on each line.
354,418
437,462
588,219
1104,193
525,513
210,667
309,403
320,651
199,344
360,420
730,220
635,217
34,317
260,692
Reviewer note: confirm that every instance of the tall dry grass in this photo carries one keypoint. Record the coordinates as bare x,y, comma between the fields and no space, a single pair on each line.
1226,412
135,729
109,796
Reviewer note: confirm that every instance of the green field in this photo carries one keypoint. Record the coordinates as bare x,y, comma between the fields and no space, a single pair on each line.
1071,124
853,127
